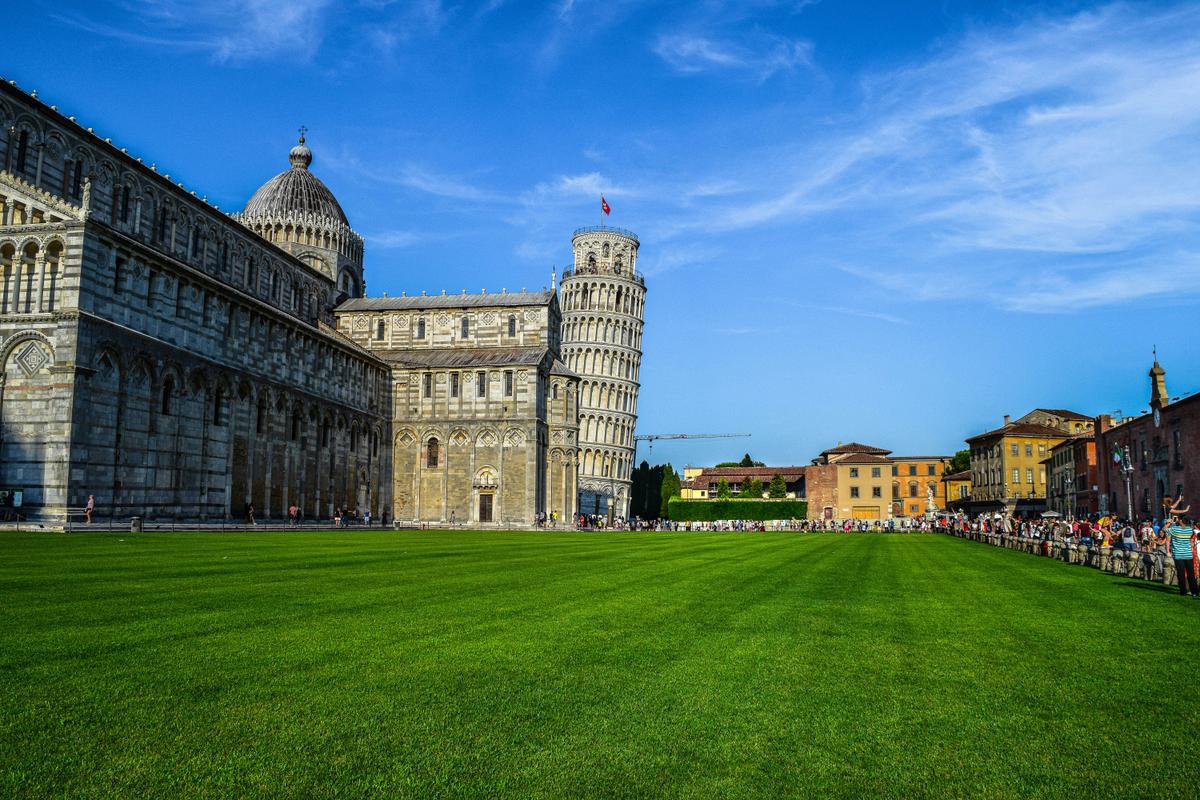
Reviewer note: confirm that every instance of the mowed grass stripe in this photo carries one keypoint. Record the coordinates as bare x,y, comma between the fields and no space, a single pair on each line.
555,665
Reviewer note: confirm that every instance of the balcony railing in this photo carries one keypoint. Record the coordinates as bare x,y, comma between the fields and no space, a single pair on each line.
606,229
621,272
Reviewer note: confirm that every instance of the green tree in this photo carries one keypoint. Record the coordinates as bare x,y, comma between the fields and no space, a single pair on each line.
724,464
960,461
778,488
646,492
746,461
751,488
670,488
724,490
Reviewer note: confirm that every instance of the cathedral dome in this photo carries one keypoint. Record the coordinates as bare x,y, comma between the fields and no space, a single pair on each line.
295,193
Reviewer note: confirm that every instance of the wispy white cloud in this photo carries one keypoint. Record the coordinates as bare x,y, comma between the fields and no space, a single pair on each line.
1051,159
811,311
393,239
228,30
237,31
588,184
760,57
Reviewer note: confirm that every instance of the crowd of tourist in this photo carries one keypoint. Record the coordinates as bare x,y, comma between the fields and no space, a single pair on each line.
1175,538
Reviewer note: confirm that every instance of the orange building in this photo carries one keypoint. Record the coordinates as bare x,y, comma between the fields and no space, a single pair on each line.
912,479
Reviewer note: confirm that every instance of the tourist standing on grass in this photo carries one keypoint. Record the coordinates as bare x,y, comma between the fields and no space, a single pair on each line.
90,508
1129,537
1183,551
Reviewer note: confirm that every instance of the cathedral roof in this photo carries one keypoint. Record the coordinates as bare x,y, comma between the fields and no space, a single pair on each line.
559,368
464,357
295,192
495,300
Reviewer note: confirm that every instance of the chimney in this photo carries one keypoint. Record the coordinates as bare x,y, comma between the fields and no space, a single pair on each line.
1007,419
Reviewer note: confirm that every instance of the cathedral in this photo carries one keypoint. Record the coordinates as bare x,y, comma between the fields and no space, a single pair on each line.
177,362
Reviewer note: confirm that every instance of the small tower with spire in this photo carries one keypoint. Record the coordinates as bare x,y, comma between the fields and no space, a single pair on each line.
1158,384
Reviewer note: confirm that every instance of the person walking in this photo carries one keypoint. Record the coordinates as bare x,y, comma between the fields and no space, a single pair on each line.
1182,551
90,508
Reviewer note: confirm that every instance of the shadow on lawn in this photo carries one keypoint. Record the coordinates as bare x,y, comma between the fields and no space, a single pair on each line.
1150,587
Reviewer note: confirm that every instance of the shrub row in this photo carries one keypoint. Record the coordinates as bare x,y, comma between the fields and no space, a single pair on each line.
682,510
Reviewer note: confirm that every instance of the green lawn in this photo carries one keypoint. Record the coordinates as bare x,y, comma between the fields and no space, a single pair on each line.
350,664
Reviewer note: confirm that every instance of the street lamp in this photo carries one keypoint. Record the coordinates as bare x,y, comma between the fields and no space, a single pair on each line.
1126,467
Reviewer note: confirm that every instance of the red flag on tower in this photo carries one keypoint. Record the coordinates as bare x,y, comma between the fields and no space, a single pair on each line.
604,206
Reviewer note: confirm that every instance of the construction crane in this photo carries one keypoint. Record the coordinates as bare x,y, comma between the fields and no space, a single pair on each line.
653,437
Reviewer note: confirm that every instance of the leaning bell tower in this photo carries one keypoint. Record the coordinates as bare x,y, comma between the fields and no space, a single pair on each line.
603,299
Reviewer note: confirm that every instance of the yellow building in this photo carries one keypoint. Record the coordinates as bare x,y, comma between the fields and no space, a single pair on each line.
912,479
1007,470
850,481
956,488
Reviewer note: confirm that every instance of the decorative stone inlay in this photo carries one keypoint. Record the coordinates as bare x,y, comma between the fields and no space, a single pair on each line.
458,438
400,320
360,323
407,439
443,319
32,359
488,317
486,439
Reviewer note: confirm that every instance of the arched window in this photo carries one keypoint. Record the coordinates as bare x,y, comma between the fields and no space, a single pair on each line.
168,392
512,325
22,149
913,489
421,328
466,327
431,453
218,402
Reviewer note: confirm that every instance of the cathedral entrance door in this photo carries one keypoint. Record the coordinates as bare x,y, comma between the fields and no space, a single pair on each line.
485,507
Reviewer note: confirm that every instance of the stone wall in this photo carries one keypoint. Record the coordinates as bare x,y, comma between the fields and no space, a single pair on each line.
821,491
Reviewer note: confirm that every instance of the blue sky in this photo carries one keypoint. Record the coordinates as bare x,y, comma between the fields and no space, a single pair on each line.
888,222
